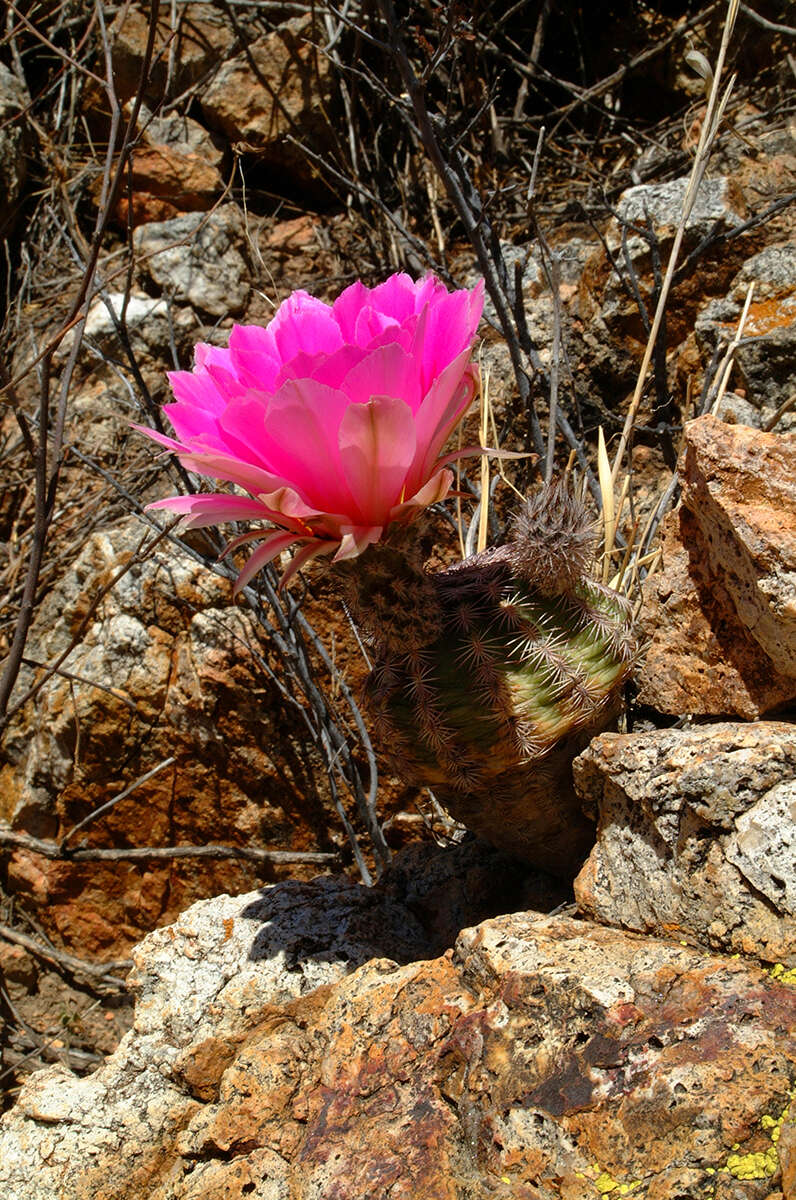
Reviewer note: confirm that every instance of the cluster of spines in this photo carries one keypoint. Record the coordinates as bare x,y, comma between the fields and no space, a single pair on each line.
518,653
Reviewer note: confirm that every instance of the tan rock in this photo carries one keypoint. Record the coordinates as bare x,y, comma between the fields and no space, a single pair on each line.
720,615
543,1059
696,835
166,668
280,86
190,40
740,485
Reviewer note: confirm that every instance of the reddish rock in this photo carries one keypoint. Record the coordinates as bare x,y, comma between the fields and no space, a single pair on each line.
544,1059
167,668
191,39
720,614
280,86
165,181
740,486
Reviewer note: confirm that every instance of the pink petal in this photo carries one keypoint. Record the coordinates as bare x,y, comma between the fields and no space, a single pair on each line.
254,356
230,469
447,401
357,539
347,308
197,390
313,550
399,296
377,444
450,328
387,371
265,553
330,369
436,489
300,442
303,323
211,508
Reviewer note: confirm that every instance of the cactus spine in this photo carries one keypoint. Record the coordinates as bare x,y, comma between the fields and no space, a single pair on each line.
489,677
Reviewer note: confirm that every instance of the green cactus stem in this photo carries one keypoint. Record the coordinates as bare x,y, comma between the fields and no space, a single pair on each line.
489,677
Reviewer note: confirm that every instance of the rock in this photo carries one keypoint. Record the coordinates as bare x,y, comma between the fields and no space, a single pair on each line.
740,485
279,87
199,259
181,134
736,410
718,201
14,100
766,358
185,51
166,181
166,667
607,303
720,615
151,325
699,657
696,835
543,1059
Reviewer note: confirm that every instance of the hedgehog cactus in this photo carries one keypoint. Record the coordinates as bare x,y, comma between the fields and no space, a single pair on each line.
331,421
491,676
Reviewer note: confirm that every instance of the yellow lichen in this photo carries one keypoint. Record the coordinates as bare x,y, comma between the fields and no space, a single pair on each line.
783,975
753,1166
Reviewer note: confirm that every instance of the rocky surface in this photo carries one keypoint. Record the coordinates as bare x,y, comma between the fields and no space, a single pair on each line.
189,43
721,614
767,353
198,259
166,668
278,89
696,835
280,1049
14,100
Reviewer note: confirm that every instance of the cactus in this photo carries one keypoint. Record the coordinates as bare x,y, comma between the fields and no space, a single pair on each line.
490,676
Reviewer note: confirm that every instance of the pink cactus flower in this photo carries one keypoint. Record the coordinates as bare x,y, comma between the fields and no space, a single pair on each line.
332,418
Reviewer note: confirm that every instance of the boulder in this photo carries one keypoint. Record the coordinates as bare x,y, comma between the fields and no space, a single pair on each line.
279,87
166,181
720,616
199,259
280,1049
190,40
696,835
166,667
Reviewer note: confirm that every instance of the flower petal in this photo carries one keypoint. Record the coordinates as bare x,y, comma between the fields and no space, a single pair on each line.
377,445
265,553
211,508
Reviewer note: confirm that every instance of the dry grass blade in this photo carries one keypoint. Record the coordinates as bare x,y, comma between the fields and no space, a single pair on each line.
483,434
713,117
607,511
727,362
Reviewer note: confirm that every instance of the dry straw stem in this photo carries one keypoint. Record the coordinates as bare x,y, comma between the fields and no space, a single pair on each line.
713,117
727,362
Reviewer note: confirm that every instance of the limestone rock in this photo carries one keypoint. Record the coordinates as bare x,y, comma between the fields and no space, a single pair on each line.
720,616
199,258
14,99
766,358
279,86
696,835
165,668
543,1059
717,201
